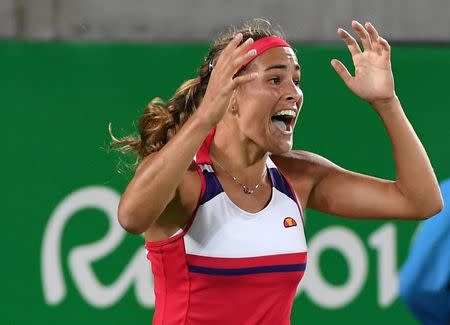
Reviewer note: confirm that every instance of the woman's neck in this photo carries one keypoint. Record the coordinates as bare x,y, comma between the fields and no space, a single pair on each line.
237,153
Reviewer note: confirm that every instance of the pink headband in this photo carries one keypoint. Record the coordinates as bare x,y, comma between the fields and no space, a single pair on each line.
264,44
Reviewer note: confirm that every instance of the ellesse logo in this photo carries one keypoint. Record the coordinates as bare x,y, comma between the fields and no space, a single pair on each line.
289,222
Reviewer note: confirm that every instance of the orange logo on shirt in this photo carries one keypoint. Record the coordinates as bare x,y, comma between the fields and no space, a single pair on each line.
289,222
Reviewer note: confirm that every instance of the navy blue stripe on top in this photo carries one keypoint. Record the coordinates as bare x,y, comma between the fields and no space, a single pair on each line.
213,186
249,270
280,183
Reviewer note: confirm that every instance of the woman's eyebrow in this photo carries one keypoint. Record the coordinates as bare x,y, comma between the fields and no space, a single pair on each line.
281,66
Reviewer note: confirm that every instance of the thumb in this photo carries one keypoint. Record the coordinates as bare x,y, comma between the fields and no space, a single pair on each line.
342,71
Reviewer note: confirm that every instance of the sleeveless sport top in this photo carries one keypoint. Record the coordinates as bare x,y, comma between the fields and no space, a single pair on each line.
229,266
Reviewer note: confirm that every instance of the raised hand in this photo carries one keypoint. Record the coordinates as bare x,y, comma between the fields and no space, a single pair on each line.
223,82
373,80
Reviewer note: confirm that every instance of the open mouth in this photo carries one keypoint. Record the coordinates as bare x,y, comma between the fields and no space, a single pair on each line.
284,119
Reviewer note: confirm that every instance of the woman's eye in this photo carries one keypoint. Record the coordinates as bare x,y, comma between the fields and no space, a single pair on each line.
275,80
296,82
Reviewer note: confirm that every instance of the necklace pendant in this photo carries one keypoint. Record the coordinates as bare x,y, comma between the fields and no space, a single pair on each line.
247,190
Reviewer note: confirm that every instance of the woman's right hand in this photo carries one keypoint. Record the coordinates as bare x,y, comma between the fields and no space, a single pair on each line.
222,82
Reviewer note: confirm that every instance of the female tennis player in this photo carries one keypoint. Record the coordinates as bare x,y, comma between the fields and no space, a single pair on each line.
219,193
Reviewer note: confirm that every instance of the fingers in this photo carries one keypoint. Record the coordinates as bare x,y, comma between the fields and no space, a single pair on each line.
233,49
373,33
232,58
240,80
377,45
363,35
385,45
342,71
234,43
369,36
243,48
234,55
243,54
348,39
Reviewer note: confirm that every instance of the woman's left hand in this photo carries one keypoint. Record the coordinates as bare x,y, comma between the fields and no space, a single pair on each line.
373,80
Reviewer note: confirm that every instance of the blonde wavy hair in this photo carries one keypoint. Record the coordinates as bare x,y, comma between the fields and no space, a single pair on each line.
161,120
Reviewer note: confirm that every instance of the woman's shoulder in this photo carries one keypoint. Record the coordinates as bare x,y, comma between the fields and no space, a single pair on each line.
181,208
300,161
186,195
302,169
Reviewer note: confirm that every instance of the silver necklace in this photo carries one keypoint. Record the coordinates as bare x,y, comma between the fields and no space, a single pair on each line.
247,190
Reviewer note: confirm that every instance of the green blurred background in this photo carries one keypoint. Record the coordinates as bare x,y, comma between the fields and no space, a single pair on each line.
58,98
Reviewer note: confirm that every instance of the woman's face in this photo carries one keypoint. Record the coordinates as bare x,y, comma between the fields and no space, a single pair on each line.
268,106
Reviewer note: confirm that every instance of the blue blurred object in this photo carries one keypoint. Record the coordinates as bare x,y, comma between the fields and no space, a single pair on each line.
425,277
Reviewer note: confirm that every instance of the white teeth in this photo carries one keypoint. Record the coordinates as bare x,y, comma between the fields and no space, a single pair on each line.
289,112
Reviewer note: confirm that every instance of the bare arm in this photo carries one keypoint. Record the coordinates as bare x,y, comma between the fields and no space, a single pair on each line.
159,176
415,193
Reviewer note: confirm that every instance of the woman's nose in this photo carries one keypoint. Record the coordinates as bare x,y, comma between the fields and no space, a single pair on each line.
293,93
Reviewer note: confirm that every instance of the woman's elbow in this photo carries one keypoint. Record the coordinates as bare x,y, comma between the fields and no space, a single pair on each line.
130,221
439,206
432,208
127,223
